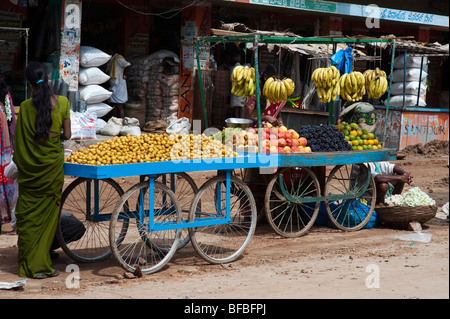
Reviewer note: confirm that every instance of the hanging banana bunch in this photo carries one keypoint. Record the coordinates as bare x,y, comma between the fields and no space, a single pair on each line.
326,82
353,86
243,81
376,83
277,90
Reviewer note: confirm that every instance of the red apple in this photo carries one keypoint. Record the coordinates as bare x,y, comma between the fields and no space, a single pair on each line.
282,142
274,143
280,150
288,135
282,134
289,142
295,135
273,149
303,141
295,142
273,137
287,149
294,149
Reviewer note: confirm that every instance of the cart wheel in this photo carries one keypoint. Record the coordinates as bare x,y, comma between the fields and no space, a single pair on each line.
350,196
140,246
290,203
185,190
222,243
91,243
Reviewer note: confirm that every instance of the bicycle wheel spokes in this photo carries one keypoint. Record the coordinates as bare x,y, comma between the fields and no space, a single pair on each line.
350,192
90,243
226,240
145,245
286,211
185,189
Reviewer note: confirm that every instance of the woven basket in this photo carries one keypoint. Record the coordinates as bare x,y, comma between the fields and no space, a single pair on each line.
400,217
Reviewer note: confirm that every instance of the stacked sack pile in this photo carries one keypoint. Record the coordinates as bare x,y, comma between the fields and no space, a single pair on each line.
408,80
85,125
154,85
91,78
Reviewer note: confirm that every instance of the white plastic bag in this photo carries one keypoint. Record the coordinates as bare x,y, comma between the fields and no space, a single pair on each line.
94,93
179,126
112,127
130,129
92,57
83,125
130,126
99,125
416,236
92,75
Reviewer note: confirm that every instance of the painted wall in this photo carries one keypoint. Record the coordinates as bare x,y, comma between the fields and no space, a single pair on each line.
423,127
411,127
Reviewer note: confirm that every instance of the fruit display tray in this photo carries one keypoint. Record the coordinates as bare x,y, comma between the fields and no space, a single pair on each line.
248,160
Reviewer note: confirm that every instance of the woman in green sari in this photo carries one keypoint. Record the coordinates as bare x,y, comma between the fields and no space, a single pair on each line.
42,124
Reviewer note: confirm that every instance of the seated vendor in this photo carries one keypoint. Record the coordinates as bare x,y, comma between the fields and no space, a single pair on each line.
389,178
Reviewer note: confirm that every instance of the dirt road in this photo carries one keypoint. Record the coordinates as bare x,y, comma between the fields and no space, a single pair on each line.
325,263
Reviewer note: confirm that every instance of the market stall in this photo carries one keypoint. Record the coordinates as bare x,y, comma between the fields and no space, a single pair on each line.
143,229
292,204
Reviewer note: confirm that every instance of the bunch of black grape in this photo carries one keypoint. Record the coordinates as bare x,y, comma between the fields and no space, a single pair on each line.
324,138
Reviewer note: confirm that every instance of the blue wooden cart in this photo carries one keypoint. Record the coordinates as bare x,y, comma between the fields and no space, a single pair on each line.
143,226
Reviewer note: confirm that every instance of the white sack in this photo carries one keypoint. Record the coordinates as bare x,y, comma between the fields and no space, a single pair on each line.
94,93
92,75
410,100
411,74
411,62
91,57
411,88
100,109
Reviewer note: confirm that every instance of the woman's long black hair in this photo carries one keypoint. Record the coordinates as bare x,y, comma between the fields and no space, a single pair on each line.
36,76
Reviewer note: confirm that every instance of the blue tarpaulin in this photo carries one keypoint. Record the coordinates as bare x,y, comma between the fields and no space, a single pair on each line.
343,59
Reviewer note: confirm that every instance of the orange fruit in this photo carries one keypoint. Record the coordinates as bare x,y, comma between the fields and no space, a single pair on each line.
354,133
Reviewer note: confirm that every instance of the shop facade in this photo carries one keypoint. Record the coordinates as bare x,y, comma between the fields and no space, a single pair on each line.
141,27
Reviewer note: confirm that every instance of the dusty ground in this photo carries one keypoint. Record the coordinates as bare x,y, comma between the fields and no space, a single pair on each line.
325,263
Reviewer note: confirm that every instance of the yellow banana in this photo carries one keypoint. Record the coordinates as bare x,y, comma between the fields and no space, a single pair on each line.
267,86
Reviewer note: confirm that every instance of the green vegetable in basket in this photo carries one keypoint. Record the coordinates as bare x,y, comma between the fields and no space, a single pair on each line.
412,198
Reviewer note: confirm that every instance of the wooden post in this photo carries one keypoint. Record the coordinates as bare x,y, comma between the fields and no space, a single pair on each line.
196,21
69,61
